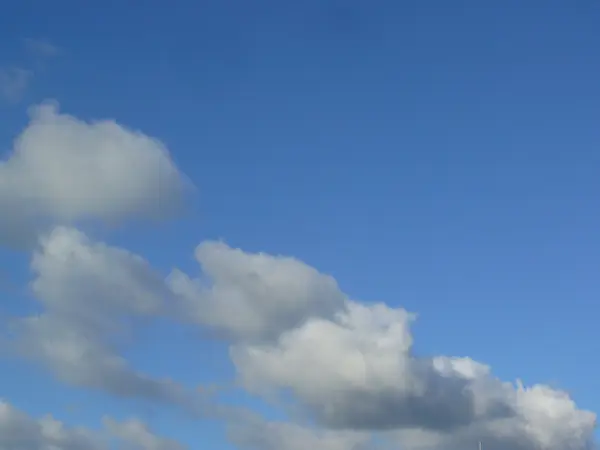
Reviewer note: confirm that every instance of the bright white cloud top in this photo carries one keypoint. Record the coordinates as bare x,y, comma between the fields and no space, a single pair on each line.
348,366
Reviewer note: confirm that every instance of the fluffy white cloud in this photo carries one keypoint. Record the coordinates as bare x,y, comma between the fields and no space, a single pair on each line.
348,365
357,372
351,365
91,293
253,296
18,431
63,169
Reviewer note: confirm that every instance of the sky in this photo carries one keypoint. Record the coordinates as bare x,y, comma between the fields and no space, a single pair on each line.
336,225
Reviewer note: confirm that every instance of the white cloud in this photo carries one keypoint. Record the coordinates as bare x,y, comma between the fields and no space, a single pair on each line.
87,358
21,432
253,296
18,431
544,419
91,293
135,435
357,372
348,367
355,369
363,375
14,82
63,169
76,276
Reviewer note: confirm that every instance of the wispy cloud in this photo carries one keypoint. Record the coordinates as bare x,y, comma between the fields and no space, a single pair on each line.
41,48
14,82
16,78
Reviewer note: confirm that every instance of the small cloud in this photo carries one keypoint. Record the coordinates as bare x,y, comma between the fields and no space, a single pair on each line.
14,82
15,79
41,48
63,169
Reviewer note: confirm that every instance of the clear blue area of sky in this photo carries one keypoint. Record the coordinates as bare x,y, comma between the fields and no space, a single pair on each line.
443,156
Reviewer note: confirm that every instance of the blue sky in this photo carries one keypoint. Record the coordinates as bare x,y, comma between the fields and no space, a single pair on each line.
439,157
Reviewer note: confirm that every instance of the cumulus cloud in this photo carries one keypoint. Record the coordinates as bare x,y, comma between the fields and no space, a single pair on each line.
362,374
357,372
18,431
63,169
350,365
545,418
90,293
253,296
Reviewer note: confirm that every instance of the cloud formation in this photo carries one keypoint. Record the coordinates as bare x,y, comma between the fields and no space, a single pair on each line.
355,369
63,169
253,296
345,369
545,419
18,431
363,375
91,294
